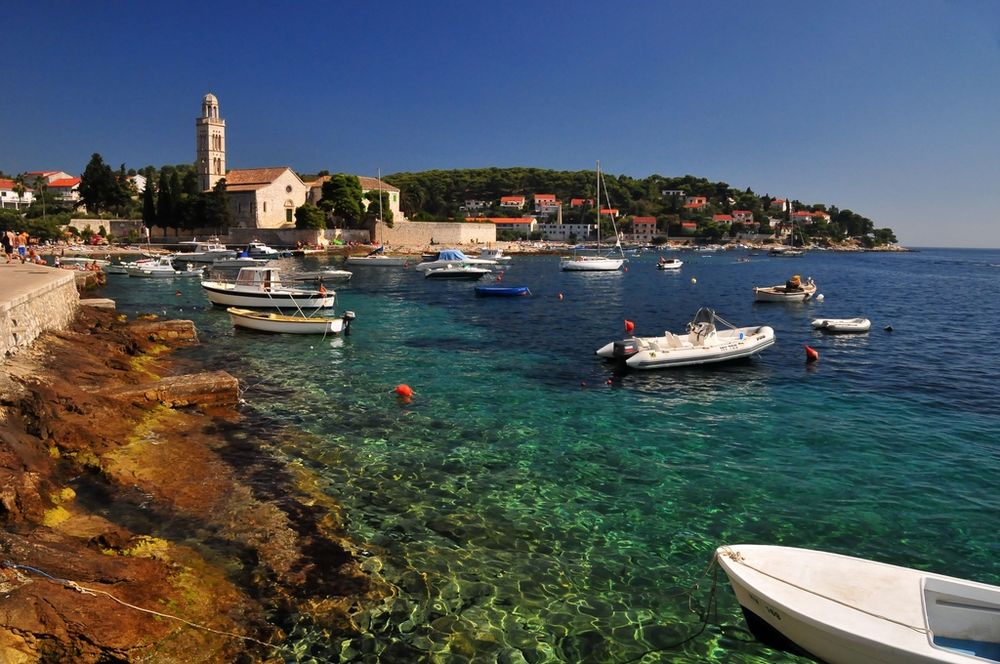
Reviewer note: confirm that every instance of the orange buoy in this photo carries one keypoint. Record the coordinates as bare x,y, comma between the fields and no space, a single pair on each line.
404,391
811,354
629,326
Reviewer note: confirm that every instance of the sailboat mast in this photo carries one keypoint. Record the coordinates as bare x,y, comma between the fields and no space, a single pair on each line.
379,222
598,206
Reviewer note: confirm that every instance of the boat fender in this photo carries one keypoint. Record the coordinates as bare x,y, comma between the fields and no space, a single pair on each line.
560,297
811,354
693,280
819,298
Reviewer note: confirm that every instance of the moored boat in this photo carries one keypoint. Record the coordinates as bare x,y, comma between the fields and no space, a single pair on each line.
193,251
702,343
466,272
162,267
669,263
261,287
267,321
321,275
845,610
377,258
842,325
447,257
502,291
792,290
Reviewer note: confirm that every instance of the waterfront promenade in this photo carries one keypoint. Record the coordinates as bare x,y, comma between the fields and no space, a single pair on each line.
33,300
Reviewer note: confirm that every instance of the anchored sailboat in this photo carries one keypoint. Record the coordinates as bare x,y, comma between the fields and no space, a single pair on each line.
597,263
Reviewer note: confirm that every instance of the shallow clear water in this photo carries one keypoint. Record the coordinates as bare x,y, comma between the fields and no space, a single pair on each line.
531,504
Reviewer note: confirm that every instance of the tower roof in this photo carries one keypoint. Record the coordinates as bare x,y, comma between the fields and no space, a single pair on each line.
210,98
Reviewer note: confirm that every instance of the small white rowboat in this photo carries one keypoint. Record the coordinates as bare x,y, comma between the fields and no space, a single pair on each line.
842,325
845,610
265,321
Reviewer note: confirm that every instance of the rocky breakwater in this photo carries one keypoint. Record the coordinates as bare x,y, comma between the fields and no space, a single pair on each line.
135,524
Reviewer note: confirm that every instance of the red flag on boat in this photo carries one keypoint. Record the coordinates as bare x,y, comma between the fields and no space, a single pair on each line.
629,326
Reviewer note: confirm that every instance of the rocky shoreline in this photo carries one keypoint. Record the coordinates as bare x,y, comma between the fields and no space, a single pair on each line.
134,529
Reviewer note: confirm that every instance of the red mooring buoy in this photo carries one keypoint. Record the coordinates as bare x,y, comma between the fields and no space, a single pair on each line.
404,391
811,354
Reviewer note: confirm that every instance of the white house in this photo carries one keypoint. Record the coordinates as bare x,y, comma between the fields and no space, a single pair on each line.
264,197
66,190
643,229
562,232
473,205
512,201
523,226
138,181
9,197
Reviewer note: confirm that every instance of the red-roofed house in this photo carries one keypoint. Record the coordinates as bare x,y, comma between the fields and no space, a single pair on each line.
65,189
689,227
807,217
546,204
695,202
643,229
611,212
580,202
726,219
779,204
264,197
742,216
9,197
48,176
512,201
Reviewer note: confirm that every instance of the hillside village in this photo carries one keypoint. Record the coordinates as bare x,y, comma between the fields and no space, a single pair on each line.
413,208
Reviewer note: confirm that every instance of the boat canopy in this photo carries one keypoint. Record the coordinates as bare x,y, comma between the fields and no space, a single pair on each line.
451,255
704,315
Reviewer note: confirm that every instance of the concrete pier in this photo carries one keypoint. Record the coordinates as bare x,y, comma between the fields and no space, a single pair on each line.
33,300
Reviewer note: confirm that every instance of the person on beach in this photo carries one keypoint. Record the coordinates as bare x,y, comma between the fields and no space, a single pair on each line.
8,247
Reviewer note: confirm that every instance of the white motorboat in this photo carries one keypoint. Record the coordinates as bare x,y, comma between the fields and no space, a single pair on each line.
842,325
845,610
238,262
162,267
260,287
448,257
257,249
83,261
785,252
466,272
702,343
193,251
792,290
669,263
266,321
495,254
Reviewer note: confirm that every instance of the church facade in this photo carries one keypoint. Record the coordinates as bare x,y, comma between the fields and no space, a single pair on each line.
264,197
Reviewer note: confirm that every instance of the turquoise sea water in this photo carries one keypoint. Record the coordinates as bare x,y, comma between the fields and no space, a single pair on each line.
530,504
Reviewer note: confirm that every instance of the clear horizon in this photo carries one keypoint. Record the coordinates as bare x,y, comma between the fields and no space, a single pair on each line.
885,108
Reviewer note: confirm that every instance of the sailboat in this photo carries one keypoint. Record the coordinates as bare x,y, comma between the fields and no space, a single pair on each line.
376,257
597,263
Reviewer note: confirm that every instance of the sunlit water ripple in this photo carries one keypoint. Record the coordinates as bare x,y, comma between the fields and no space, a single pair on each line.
532,505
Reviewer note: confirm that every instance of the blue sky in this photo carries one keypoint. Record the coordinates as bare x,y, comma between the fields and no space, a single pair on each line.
887,108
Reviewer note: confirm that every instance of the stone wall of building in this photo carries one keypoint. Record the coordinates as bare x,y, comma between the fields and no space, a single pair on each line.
420,233
36,299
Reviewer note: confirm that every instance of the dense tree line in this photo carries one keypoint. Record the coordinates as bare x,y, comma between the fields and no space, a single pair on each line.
439,194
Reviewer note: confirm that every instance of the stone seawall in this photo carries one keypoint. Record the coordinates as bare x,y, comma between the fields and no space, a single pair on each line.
34,299
420,233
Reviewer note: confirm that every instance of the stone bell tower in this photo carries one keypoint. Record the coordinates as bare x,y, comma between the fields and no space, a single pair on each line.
210,131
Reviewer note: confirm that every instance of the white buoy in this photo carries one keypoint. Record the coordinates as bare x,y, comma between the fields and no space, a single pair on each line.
819,298
693,280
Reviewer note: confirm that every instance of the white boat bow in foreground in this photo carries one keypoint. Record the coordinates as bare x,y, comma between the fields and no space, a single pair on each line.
845,610
703,343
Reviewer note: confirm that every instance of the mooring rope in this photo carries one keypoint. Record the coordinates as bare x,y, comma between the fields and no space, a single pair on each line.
737,557
73,585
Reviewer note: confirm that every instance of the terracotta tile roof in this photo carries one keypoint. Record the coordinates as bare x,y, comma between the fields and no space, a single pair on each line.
688,224
65,182
7,184
722,217
643,220
741,211
371,184
577,202
255,177
42,173
512,199
609,210
545,197
693,206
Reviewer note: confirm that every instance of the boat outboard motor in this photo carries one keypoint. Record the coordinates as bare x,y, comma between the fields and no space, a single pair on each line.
625,348
348,317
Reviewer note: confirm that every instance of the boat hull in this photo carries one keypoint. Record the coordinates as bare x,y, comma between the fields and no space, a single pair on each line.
224,295
279,324
591,264
844,610
672,265
842,325
779,294
458,273
657,353
502,291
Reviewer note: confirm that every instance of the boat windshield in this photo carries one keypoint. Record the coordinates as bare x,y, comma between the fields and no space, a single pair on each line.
704,315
